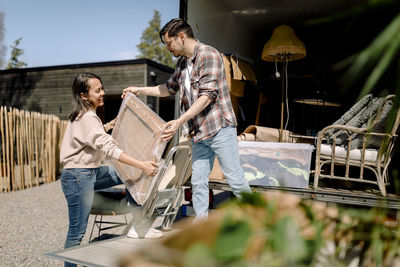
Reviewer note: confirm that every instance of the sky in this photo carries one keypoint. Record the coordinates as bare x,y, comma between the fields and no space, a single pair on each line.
58,32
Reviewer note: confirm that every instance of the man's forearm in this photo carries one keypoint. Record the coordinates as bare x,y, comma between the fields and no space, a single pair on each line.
199,105
159,90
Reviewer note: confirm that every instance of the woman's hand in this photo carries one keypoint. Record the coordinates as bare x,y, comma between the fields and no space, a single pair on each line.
110,125
150,168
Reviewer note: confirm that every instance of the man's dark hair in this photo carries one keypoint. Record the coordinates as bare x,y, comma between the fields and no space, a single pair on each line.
174,27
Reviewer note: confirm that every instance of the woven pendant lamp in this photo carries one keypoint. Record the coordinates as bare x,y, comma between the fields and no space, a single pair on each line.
283,46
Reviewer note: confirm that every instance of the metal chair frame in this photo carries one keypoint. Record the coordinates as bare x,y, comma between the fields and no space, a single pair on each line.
163,203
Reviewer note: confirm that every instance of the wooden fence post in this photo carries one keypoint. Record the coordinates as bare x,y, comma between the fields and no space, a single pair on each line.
30,143
3,153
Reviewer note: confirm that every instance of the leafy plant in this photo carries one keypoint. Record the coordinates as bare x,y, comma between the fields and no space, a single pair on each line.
370,64
16,52
284,231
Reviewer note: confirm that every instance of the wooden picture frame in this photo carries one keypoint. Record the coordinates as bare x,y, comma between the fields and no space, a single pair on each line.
138,133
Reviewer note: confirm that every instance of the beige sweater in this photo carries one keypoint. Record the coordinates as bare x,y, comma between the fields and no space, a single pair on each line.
85,143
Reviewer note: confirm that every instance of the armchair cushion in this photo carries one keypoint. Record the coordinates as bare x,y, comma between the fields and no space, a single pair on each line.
354,110
355,154
362,115
351,117
374,141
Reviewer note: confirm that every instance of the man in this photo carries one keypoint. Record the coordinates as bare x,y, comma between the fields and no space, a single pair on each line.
207,112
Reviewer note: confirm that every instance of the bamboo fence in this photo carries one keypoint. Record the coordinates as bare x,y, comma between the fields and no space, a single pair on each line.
30,146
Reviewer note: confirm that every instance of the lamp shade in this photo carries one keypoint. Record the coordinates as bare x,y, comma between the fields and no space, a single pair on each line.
283,46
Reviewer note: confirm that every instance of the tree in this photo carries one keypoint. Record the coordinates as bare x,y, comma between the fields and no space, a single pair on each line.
3,49
150,45
16,52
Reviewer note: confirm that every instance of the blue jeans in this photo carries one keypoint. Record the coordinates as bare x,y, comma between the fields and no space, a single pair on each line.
78,186
224,146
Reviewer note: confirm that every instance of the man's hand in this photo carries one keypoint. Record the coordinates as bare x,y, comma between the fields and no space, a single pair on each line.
131,89
169,130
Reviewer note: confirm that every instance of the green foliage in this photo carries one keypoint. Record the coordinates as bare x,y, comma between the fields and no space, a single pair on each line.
372,232
284,231
253,224
375,58
199,255
252,199
150,45
232,241
285,240
297,235
371,64
16,52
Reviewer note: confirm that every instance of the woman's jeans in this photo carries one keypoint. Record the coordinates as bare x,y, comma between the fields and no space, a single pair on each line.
78,186
224,146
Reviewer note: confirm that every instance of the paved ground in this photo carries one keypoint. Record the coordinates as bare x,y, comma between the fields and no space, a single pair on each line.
34,222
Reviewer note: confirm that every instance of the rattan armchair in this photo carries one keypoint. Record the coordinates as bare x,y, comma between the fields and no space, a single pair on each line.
354,162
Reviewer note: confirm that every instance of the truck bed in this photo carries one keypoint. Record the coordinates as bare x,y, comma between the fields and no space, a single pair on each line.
359,197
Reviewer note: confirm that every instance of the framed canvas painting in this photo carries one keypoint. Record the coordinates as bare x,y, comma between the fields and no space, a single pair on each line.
137,132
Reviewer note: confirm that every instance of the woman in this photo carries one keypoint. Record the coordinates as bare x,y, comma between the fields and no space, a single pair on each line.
83,148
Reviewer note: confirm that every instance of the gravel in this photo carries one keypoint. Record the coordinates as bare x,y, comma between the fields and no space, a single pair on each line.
34,222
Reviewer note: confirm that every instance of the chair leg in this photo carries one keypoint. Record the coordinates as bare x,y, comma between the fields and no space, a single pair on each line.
168,220
317,168
382,186
99,226
381,177
91,232
316,175
126,221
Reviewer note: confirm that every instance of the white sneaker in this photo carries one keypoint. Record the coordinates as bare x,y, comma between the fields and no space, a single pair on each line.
152,233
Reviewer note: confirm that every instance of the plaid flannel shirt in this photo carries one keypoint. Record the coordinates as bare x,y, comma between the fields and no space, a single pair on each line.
207,78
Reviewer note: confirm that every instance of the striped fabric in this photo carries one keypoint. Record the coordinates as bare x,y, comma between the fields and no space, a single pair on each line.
207,78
